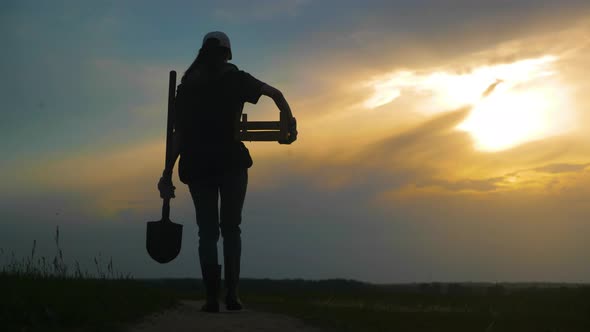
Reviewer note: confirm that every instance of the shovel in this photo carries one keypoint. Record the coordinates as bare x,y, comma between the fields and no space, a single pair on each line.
163,237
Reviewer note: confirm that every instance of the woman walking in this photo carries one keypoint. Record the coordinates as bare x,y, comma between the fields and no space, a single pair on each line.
213,161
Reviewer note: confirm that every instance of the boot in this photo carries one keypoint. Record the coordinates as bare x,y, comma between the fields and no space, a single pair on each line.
232,276
212,281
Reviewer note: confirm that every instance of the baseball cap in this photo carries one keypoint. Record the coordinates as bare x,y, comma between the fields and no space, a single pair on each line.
222,37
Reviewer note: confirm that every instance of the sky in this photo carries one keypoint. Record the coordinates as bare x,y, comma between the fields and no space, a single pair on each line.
438,140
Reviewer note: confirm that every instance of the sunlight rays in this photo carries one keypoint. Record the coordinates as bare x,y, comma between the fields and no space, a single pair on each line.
512,103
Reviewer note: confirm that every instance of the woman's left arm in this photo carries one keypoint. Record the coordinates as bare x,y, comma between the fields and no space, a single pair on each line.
175,151
165,185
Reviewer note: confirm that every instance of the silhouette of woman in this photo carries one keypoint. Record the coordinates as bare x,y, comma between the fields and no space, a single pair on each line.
213,161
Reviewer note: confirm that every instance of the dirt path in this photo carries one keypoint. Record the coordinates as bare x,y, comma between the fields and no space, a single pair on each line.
187,318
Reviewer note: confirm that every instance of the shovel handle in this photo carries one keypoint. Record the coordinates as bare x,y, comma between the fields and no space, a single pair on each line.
166,210
170,118
169,131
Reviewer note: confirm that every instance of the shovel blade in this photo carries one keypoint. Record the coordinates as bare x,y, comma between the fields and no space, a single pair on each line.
163,240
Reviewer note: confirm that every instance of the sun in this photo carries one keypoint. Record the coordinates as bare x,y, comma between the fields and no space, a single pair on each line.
527,102
511,103
509,118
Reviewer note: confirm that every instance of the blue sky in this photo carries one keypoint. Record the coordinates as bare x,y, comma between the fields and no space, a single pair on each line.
52,48
386,194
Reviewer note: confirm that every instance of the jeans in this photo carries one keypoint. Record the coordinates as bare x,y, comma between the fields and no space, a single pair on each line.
230,186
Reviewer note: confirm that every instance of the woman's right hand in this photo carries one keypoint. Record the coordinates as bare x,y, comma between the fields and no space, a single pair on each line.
292,134
293,130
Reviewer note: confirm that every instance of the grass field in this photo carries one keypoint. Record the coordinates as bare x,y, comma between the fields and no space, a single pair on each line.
351,306
54,304
342,305
42,294
62,304
39,294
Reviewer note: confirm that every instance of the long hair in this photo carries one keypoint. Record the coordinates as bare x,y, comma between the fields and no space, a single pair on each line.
211,58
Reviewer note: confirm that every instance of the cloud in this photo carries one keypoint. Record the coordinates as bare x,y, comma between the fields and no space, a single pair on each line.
395,149
490,184
471,213
504,181
425,131
102,181
403,159
435,155
134,84
561,168
451,88
258,10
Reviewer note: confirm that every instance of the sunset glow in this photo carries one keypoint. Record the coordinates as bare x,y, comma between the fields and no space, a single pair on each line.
438,141
514,116
512,103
